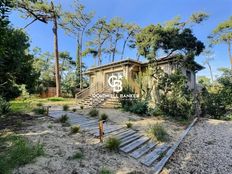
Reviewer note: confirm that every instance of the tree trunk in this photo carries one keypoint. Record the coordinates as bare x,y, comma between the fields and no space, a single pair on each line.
78,58
229,51
210,70
58,91
114,50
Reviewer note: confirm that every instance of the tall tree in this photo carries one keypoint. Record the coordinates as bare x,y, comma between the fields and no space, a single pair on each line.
208,57
101,33
116,31
44,12
15,61
223,34
75,24
131,31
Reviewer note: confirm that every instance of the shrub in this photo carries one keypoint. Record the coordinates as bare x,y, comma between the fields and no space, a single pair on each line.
129,125
228,117
105,171
63,118
39,104
74,109
56,99
4,106
139,107
155,112
103,117
75,129
77,156
65,107
158,132
112,143
93,112
40,110
82,107
19,153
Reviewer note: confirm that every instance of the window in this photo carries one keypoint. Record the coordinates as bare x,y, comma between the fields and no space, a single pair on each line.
188,74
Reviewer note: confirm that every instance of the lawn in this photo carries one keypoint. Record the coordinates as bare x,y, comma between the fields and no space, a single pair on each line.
27,105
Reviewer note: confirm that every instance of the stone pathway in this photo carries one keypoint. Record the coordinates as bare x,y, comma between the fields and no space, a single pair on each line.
132,144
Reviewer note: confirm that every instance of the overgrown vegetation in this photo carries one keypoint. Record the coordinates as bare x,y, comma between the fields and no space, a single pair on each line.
105,171
158,132
129,125
112,143
77,156
93,112
75,129
16,151
40,110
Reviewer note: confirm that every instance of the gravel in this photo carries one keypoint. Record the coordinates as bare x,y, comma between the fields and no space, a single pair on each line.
207,149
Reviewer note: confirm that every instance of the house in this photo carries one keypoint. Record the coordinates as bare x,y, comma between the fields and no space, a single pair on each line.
100,82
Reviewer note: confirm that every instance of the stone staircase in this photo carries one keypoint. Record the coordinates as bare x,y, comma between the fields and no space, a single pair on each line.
133,144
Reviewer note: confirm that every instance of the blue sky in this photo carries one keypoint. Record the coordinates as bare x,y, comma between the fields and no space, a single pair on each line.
143,13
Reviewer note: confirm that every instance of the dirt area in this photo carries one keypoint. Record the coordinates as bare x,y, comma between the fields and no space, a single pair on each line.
142,124
60,147
206,149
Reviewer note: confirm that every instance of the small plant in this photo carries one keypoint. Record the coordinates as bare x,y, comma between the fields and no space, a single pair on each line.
74,109
82,107
77,156
103,117
105,171
49,126
39,104
228,117
129,125
112,143
65,107
156,112
158,132
4,106
75,129
93,112
40,111
63,118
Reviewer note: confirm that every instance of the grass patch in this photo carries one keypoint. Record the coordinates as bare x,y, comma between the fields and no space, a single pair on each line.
77,156
93,112
158,133
40,110
65,107
74,109
103,117
75,129
54,99
16,151
105,171
63,118
112,143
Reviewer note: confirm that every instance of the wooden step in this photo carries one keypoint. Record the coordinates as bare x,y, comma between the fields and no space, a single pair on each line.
135,144
128,140
143,150
154,155
125,134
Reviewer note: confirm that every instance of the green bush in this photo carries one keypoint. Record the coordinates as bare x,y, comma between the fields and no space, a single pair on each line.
63,118
93,112
129,125
40,111
4,106
158,132
112,143
74,109
103,117
54,99
75,129
19,153
139,107
65,107
155,112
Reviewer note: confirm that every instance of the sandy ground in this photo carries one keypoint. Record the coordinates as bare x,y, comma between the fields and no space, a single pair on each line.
142,124
60,146
207,149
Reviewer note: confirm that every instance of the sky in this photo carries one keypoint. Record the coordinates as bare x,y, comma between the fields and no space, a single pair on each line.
143,13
